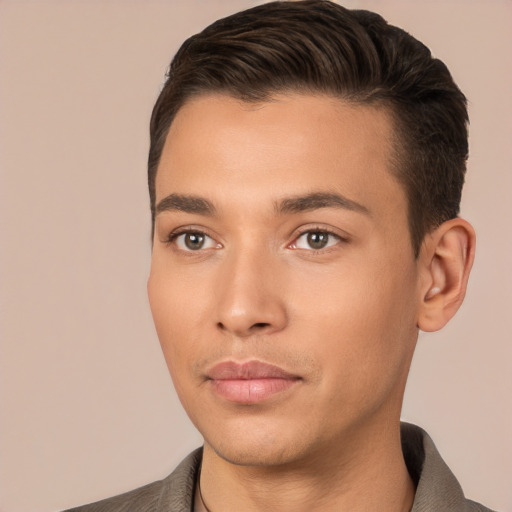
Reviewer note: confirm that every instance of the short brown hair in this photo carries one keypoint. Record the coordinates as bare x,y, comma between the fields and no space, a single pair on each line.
317,46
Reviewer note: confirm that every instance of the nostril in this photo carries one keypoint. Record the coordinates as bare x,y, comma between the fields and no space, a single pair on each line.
260,325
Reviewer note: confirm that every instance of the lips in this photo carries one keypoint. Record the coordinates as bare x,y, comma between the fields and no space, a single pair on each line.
251,382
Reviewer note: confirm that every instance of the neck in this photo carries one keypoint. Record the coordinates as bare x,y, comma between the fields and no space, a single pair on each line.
367,473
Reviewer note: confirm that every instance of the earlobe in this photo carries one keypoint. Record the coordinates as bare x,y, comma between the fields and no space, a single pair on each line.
446,259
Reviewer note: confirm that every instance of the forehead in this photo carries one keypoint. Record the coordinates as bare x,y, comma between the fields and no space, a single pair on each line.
292,144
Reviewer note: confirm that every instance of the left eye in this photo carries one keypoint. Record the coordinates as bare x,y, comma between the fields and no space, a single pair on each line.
194,241
315,240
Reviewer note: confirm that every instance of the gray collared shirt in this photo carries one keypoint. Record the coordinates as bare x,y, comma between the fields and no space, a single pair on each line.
437,488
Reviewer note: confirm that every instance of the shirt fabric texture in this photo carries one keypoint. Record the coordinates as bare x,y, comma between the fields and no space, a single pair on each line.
437,489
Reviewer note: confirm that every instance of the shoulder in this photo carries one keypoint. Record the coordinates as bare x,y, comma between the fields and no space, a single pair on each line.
436,486
473,506
143,499
174,492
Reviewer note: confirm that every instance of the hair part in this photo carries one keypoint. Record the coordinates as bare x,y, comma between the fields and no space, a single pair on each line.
317,46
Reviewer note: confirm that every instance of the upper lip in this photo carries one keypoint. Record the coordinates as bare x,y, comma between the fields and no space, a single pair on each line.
231,370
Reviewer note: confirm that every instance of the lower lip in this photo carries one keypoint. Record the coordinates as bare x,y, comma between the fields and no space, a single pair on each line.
251,391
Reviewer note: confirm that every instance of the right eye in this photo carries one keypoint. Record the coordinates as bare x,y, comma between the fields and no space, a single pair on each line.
193,241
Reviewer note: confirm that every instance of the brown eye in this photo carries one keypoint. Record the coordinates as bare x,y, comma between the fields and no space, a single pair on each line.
317,239
194,241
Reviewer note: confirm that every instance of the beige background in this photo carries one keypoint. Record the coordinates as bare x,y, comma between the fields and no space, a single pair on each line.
87,408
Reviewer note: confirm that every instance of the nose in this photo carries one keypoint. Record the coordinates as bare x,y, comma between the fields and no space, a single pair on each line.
251,295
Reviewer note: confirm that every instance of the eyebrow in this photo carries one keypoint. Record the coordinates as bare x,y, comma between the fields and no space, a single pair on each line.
317,200
295,204
187,204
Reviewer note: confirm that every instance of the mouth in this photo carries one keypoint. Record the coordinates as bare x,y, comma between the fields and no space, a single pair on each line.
251,382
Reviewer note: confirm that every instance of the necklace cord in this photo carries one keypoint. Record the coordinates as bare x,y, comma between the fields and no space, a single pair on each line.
199,489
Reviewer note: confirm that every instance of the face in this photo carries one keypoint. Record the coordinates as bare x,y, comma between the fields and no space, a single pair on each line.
283,284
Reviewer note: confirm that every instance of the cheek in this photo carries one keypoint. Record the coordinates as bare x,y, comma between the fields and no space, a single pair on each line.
169,301
363,317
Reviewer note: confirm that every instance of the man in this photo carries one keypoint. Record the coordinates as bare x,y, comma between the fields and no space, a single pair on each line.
305,173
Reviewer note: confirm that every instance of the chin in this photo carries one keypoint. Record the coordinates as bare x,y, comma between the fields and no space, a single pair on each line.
254,455
257,445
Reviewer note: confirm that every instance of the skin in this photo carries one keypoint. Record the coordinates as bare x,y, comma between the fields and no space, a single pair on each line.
343,319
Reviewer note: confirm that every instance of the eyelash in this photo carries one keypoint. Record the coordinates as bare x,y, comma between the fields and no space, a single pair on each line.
172,237
319,229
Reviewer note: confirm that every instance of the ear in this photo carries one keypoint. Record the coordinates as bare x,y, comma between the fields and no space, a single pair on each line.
445,260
